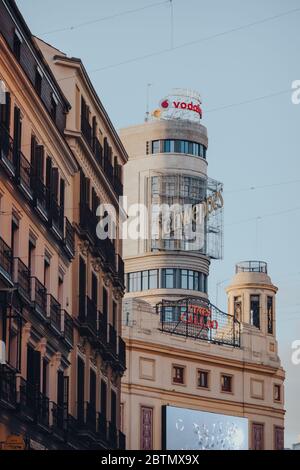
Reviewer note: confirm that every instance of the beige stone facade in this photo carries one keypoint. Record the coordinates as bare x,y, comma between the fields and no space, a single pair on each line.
164,369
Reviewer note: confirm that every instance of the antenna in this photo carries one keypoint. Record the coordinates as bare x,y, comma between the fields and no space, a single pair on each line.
147,102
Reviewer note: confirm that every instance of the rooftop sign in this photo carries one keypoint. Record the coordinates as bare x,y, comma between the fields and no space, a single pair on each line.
181,103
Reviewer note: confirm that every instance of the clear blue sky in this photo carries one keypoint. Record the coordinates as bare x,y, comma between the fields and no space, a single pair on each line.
253,144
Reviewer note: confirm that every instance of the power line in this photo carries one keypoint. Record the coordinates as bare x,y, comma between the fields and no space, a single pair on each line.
191,43
104,18
272,214
254,188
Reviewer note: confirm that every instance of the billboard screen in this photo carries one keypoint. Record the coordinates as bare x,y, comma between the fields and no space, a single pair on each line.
186,429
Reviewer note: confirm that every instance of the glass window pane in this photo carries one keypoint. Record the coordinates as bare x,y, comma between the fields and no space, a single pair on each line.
190,148
153,279
145,280
155,146
184,279
191,280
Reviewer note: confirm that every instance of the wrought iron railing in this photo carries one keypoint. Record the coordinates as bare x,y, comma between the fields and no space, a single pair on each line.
7,385
5,258
22,277
86,129
87,416
118,186
32,402
197,318
69,237
39,296
6,146
121,269
102,327
54,312
41,194
25,172
68,326
112,435
57,216
88,312
88,220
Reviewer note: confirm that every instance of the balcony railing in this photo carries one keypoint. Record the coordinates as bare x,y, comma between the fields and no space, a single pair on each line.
68,328
54,313
25,173
112,339
39,297
86,416
69,237
88,220
86,129
57,217
5,259
122,352
41,196
98,151
6,149
252,267
7,386
59,418
88,313
102,327
33,403
118,186
110,254
22,277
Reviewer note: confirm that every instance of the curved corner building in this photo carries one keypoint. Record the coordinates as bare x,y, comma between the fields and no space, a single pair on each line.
196,378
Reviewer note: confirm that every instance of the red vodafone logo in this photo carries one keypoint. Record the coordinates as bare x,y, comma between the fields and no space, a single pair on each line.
164,104
181,105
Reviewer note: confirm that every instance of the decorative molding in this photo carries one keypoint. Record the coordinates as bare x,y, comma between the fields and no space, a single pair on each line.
84,247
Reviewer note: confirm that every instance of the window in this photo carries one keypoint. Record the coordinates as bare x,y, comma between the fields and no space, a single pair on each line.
134,282
168,278
203,376
178,375
38,81
277,392
226,383
153,279
237,308
156,146
254,311
17,45
278,438
270,315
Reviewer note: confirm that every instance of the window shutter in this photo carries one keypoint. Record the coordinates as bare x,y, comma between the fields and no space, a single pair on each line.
5,112
17,134
82,188
39,162
87,191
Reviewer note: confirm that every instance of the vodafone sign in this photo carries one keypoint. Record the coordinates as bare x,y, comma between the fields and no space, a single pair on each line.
181,105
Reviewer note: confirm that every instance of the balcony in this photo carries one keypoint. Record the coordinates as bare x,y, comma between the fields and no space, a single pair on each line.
8,397
33,404
86,130
86,417
87,316
22,278
102,329
24,176
7,151
68,328
69,238
56,215
39,297
88,221
41,197
122,441
252,267
112,340
122,353
59,419
98,151
110,255
54,313
6,261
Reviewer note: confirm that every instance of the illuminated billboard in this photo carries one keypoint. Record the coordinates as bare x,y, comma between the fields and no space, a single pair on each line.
186,429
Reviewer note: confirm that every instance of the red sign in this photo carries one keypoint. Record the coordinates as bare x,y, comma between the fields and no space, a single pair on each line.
165,104
199,316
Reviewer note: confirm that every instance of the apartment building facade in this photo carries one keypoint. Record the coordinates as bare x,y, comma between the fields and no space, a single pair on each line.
61,287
